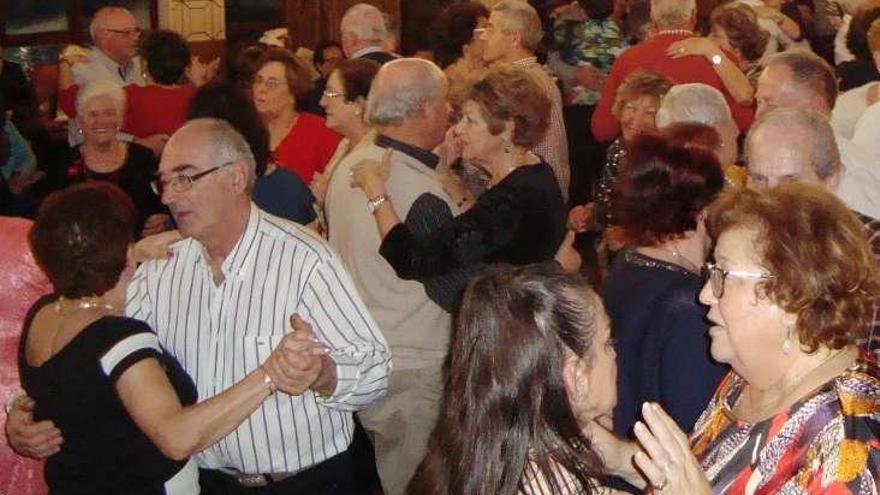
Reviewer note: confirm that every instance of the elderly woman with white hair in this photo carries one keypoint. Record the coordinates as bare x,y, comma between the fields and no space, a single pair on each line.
698,103
100,107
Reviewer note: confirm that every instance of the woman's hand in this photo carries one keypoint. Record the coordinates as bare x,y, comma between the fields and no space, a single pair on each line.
567,255
318,186
298,360
617,454
155,247
703,47
667,460
370,175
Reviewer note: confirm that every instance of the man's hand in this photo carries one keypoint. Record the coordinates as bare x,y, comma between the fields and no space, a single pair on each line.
298,361
370,175
36,440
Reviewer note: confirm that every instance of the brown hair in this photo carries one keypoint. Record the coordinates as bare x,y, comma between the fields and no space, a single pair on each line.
874,36
507,414
357,75
740,24
510,93
809,71
81,237
637,84
299,79
817,252
663,187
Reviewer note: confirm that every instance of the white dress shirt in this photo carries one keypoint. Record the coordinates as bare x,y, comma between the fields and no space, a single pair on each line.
220,333
859,187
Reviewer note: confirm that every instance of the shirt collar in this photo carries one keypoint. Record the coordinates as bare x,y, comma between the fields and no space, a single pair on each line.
237,261
426,157
108,62
365,50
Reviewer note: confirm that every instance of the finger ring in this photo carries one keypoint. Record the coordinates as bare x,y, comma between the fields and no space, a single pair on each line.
659,487
351,173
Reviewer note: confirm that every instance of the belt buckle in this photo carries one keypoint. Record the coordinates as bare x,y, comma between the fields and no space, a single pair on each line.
251,480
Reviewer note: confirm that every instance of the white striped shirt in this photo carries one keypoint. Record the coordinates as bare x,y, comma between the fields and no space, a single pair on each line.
220,333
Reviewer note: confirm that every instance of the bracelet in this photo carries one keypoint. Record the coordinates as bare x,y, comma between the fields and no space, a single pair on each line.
374,203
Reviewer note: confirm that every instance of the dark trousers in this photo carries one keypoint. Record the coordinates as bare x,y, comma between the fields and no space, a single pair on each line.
331,477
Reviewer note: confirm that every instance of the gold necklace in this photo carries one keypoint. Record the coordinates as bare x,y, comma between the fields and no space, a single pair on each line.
66,306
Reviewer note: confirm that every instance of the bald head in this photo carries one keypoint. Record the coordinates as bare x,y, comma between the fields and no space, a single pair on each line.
797,78
408,99
362,26
673,14
791,144
224,142
402,89
114,31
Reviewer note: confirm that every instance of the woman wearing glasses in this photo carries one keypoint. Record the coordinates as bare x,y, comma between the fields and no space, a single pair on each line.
102,156
299,141
651,288
793,287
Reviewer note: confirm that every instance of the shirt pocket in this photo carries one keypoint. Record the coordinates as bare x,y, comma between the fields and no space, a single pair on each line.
258,348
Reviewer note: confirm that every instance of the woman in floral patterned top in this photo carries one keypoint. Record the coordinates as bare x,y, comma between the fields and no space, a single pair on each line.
793,286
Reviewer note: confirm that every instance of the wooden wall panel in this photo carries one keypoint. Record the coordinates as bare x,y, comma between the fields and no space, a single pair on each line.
311,21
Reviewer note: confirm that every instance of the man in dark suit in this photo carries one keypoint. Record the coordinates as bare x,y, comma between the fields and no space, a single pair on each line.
362,31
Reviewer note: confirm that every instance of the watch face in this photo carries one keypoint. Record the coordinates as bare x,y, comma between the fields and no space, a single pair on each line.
716,59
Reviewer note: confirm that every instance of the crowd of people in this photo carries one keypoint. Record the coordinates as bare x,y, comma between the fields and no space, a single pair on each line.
575,247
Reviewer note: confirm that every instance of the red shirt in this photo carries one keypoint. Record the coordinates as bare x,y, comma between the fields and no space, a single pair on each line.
307,147
651,55
148,109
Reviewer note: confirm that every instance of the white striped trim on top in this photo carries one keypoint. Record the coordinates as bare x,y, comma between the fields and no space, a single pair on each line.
125,347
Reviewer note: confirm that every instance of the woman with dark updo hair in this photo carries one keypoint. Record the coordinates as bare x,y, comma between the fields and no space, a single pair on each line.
651,288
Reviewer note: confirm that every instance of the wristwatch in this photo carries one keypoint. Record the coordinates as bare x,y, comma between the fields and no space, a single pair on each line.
374,203
716,59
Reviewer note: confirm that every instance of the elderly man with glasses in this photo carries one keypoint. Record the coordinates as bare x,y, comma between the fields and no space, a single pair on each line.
222,301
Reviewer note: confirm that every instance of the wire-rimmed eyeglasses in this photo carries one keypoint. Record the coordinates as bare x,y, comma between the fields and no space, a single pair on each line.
182,182
717,275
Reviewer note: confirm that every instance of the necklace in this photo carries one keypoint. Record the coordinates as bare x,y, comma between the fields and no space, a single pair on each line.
686,263
66,306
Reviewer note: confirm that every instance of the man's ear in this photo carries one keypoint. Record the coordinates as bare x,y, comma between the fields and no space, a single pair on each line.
833,180
239,176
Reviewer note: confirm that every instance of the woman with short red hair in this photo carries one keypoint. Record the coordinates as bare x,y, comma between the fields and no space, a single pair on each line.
651,288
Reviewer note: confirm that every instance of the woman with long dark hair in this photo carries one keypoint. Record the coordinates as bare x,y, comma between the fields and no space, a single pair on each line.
531,364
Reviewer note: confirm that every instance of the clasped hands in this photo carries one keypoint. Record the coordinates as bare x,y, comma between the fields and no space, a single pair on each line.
301,362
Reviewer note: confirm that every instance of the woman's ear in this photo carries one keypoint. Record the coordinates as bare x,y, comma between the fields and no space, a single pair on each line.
509,129
574,375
